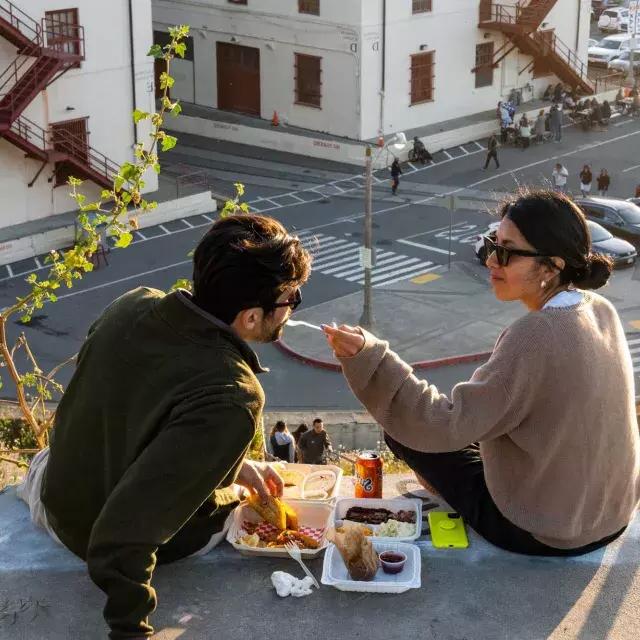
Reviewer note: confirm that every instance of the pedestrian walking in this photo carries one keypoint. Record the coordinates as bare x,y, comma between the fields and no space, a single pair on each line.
559,177
555,122
492,152
586,178
395,176
604,180
314,444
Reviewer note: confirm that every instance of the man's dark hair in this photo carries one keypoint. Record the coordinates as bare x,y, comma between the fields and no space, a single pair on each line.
280,426
246,261
556,226
316,420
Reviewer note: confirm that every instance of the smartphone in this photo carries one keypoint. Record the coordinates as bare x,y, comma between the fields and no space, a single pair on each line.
447,530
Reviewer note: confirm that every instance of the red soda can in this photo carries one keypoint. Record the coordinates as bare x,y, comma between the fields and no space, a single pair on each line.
368,475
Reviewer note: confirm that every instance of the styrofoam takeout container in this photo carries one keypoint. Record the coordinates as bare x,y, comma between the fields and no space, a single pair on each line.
307,473
396,504
311,515
335,574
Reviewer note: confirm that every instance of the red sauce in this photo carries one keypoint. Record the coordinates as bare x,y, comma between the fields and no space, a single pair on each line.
390,556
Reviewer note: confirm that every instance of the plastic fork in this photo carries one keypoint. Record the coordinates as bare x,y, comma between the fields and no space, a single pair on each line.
293,550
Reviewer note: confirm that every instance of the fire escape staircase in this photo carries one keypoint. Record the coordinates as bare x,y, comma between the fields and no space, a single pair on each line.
45,51
520,23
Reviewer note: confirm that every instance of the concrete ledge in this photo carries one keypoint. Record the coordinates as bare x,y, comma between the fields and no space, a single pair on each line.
63,236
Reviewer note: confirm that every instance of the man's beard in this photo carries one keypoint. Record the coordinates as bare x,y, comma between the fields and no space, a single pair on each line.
271,333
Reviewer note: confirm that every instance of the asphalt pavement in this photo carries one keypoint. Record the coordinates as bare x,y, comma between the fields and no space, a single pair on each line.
322,202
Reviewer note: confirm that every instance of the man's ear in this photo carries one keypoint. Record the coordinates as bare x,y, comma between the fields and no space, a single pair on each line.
248,320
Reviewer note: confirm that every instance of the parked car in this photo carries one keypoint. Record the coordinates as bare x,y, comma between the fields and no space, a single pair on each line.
614,20
608,49
593,42
622,253
623,61
621,217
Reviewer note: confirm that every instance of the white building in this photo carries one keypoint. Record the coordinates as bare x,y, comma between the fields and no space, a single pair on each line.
358,68
73,77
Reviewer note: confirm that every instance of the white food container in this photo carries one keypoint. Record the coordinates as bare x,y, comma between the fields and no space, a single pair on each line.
307,478
314,517
396,504
335,574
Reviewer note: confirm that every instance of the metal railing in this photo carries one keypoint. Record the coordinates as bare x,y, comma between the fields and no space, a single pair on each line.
20,21
554,46
30,132
528,16
608,81
63,38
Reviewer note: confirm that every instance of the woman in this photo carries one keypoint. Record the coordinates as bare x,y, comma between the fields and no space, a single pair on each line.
604,180
281,442
540,127
586,178
302,428
557,468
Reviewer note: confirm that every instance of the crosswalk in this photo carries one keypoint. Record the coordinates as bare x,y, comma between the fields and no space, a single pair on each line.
340,258
634,347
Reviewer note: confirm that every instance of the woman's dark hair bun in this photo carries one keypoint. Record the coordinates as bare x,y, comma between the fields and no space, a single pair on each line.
596,274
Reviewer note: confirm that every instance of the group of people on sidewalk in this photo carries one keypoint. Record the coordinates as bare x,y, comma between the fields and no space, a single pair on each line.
303,445
560,178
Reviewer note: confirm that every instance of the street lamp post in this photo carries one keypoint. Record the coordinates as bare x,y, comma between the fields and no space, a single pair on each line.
367,319
398,143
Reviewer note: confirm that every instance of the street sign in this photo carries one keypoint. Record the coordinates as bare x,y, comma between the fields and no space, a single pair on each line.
365,258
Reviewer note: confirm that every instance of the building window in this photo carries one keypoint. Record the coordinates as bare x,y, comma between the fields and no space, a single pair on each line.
422,77
63,31
484,64
311,7
421,6
308,83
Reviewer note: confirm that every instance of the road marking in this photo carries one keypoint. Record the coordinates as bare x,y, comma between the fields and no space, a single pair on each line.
140,235
633,342
354,270
206,217
427,277
9,270
189,225
446,153
427,247
137,275
331,243
166,231
637,166
407,276
329,261
377,278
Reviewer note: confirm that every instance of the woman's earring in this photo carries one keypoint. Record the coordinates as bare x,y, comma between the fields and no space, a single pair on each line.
543,284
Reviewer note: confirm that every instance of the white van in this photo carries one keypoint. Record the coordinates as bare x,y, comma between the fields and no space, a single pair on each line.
608,49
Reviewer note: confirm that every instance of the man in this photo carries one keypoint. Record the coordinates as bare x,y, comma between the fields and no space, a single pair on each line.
396,171
555,122
154,426
420,151
314,444
559,177
492,152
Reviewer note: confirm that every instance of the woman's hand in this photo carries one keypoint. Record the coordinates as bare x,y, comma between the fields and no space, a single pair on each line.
345,341
260,478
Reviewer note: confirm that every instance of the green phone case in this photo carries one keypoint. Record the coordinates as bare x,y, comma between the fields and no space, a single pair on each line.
447,530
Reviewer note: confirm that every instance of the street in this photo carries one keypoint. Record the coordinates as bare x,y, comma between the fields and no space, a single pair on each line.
323,203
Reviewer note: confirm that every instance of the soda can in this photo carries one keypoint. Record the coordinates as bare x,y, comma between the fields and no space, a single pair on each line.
368,475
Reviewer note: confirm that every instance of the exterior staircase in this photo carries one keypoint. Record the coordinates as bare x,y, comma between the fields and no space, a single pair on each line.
521,23
45,51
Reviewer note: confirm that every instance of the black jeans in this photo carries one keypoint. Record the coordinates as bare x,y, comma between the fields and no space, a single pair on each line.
492,154
459,478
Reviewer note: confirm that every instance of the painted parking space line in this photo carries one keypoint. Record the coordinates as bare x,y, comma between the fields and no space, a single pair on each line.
427,247
637,166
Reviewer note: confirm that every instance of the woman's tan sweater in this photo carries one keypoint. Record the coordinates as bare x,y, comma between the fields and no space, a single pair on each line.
554,412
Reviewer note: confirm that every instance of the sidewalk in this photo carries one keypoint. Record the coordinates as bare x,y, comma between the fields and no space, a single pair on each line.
445,314
479,593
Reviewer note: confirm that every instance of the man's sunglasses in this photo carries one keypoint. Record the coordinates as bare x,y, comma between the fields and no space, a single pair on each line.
503,254
293,302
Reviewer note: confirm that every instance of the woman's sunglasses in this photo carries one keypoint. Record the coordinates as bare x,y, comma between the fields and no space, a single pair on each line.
503,254
293,302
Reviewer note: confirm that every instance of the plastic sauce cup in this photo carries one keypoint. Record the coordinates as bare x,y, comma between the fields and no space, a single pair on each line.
392,561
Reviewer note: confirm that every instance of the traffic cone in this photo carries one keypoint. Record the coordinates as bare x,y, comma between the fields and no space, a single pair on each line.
275,121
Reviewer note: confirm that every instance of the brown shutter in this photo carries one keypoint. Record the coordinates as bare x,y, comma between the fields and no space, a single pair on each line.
422,77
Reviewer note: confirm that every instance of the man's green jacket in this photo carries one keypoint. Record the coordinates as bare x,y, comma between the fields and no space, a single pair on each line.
148,436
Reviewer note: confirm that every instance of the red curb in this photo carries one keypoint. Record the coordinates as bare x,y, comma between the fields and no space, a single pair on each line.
424,364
